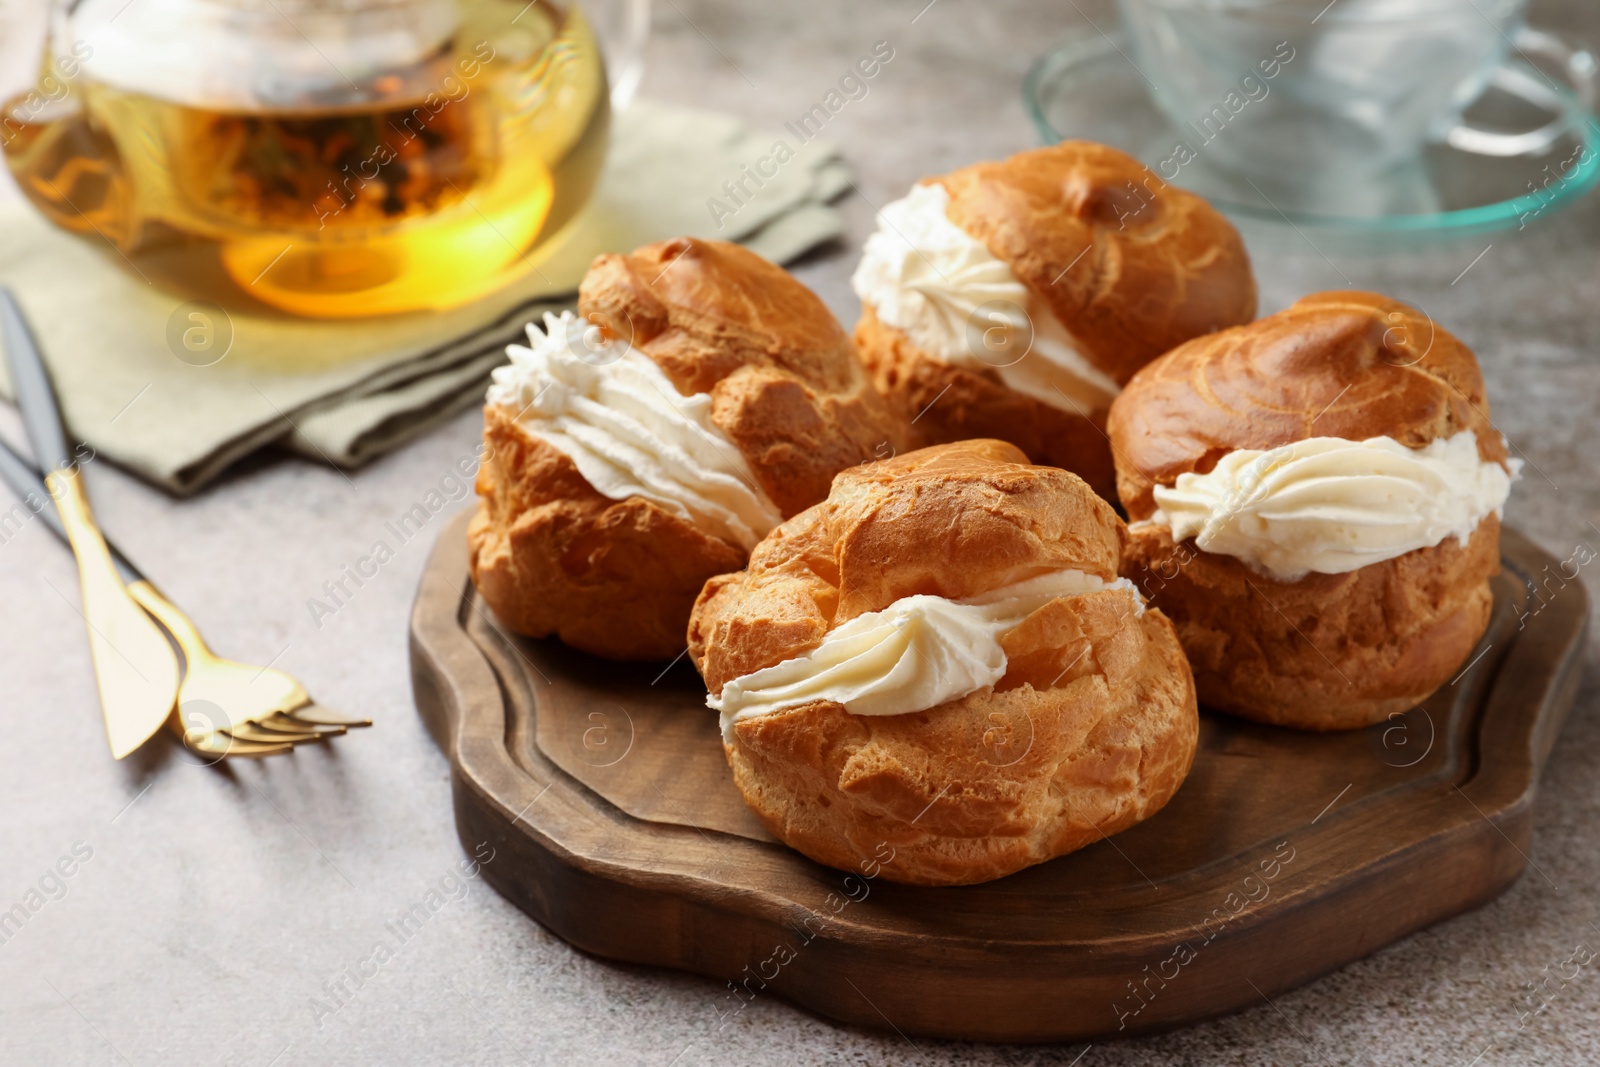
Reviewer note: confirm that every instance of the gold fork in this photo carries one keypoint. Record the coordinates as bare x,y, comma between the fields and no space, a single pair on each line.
224,708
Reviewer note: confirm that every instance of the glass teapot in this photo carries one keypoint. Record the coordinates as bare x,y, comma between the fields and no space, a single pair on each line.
330,158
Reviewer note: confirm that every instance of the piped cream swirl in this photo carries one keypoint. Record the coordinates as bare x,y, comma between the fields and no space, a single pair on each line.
942,287
629,431
1331,506
913,655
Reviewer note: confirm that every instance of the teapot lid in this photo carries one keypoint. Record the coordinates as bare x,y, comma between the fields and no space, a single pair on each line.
262,55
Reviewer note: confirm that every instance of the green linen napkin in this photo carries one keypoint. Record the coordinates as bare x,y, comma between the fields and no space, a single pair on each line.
347,391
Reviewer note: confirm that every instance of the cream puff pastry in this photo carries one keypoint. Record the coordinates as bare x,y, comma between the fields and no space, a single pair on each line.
941,658
635,450
1315,500
1015,299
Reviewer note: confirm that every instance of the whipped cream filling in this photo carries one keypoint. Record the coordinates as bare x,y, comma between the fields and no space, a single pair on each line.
942,287
913,655
629,431
1329,505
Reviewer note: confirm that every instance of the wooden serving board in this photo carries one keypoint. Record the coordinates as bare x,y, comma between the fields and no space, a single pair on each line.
1285,855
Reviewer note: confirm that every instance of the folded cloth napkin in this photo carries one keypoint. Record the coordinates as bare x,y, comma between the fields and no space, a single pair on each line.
345,391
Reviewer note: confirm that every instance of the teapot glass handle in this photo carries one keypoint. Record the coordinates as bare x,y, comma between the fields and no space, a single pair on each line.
1577,64
627,65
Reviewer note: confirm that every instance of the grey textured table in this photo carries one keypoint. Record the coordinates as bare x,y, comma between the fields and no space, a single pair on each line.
218,910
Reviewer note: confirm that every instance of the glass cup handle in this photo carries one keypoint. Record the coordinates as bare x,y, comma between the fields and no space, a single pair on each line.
629,65
1576,63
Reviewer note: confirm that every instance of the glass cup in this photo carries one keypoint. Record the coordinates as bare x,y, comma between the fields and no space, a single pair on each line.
330,158
1310,91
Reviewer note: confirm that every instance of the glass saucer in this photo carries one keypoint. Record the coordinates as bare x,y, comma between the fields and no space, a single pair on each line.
1087,88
